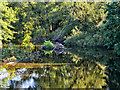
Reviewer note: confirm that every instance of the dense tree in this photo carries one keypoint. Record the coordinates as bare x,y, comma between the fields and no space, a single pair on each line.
111,28
25,23
73,21
6,19
86,20
46,19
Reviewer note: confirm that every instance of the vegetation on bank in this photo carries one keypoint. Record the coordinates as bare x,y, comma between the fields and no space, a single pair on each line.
72,24
28,26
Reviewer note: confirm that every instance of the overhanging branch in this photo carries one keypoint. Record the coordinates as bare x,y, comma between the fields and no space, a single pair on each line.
60,33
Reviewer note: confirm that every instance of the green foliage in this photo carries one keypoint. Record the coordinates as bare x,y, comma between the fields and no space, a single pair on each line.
26,42
48,44
46,20
7,18
42,20
11,51
111,28
25,23
40,33
48,51
85,39
84,29
54,34
87,14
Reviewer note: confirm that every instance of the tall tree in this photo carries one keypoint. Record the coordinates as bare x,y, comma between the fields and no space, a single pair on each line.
6,19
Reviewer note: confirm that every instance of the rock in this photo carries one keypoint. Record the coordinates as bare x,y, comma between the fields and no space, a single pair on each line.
59,51
58,48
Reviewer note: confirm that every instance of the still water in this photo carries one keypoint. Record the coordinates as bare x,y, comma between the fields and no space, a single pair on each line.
75,68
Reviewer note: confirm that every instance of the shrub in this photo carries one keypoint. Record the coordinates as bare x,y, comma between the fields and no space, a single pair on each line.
111,28
48,44
86,39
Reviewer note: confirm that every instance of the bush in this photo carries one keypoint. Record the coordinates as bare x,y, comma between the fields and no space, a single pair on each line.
111,28
48,44
14,53
86,39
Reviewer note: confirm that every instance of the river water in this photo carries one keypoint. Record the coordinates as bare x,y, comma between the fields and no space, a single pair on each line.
90,67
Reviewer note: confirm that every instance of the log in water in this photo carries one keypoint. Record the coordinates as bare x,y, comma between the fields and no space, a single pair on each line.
31,65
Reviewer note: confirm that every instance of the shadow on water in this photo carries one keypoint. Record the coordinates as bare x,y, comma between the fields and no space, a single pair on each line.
113,72
104,58
76,68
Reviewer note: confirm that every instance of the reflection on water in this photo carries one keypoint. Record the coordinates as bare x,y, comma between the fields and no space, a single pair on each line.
86,75
76,68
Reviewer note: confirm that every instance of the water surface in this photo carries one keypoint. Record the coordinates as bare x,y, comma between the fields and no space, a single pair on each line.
75,68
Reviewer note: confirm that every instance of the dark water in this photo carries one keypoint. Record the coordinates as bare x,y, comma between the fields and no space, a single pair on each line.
85,68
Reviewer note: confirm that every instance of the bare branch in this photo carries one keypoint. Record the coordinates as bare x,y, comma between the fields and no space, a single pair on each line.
60,33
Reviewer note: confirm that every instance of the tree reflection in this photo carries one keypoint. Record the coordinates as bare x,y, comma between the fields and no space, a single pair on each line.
85,75
5,76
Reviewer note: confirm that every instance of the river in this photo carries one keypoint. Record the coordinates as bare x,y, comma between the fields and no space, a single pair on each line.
83,67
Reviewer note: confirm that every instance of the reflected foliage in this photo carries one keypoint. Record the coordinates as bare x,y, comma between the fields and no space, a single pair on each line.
100,54
86,75
87,70
113,71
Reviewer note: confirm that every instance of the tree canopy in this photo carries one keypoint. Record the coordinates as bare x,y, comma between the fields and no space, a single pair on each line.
22,22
